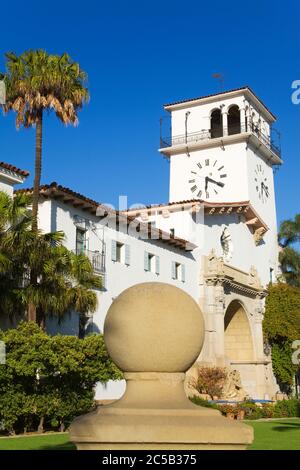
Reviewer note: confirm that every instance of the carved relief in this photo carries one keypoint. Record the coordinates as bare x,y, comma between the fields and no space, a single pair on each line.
258,235
220,274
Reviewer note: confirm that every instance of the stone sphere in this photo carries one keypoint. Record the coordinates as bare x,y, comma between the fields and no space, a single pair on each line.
154,327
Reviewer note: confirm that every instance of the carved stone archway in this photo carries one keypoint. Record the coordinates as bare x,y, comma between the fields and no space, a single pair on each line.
238,344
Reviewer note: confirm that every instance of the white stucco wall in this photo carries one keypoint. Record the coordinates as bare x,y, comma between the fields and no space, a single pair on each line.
234,161
6,186
118,276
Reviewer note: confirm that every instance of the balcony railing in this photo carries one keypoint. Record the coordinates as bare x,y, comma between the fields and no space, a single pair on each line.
97,260
209,134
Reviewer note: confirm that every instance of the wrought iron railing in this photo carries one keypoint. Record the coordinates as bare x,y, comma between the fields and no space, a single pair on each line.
208,134
97,260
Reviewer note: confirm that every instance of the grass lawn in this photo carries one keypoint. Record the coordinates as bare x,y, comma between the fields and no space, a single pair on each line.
269,435
281,434
45,442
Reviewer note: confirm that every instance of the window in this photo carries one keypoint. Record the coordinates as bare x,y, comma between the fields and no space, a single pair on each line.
80,241
234,120
216,124
120,252
151,225
151,263
178,271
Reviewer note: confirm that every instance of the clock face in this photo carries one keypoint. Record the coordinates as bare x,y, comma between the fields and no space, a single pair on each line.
261,183
207,178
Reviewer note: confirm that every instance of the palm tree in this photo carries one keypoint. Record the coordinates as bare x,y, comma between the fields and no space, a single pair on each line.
289,256
62,282
36,82
15,223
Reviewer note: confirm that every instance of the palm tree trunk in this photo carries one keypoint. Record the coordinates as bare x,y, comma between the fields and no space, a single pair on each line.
37,170
35,197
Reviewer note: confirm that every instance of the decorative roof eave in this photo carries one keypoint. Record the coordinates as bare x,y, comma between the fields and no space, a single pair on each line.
244,208
12,174
14,169
223,95
77,200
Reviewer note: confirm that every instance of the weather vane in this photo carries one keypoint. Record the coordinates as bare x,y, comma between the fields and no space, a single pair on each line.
220,78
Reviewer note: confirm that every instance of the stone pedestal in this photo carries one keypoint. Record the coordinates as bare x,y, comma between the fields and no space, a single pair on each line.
155,332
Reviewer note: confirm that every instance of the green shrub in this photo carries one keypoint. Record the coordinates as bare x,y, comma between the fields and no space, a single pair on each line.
267,410
201,402
210,380
281,327
252,411
47,381
287,408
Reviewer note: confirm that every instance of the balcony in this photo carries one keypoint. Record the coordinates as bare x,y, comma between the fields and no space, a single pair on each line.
97,260
209,136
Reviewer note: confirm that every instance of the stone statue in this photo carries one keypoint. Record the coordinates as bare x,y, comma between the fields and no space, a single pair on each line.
233,388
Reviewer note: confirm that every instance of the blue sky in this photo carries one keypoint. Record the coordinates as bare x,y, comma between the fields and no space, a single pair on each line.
139,55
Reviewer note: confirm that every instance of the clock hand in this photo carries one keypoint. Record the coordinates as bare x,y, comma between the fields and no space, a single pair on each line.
206,181
218,183
265,189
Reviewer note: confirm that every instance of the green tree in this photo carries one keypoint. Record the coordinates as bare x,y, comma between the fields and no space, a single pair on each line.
47,381
289,256
37,82
15,236
63,282
281,327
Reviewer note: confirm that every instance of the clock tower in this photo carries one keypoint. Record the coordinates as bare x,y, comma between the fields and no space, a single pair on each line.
222,149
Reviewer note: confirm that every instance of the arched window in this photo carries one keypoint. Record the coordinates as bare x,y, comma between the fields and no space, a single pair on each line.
216,124
234,120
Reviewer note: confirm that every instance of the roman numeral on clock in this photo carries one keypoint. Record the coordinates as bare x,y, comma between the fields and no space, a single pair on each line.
193,188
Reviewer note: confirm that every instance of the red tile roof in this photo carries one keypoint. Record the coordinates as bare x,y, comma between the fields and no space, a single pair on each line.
218,94
184,202
7,166
79,201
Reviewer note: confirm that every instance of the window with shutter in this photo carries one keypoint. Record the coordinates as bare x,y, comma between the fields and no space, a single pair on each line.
146,261
183,273
173,270
157,264
127,255
113,250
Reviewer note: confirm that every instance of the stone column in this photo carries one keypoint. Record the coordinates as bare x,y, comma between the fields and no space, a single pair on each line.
225,123
261,386
242,120
219,325
210,323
